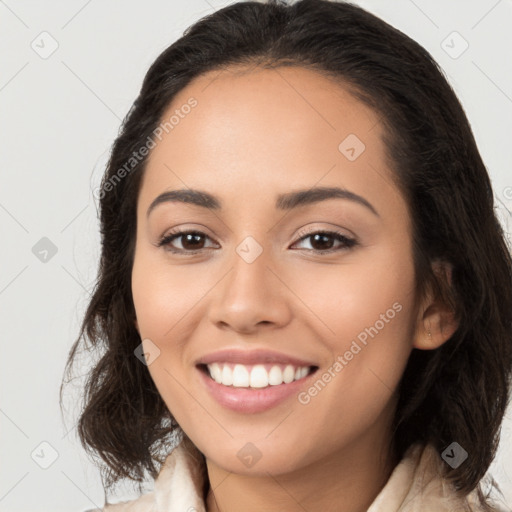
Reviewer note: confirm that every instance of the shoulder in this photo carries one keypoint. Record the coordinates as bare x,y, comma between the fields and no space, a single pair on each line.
178,485
417,484
144,503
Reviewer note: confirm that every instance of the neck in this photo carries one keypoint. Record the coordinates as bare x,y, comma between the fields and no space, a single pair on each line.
351,476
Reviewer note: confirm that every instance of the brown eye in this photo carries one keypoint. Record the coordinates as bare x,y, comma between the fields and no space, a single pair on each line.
191,241
323,241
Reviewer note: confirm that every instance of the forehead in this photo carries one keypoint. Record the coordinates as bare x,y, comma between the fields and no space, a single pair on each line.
267,128
274,106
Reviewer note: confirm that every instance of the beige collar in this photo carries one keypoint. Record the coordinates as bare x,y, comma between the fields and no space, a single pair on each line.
415,485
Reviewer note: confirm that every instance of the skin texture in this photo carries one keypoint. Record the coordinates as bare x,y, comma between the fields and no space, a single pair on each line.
255,134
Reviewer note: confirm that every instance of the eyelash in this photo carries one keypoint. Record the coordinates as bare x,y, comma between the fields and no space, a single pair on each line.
348,243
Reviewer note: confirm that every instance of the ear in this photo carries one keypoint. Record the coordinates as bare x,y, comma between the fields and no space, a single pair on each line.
436,321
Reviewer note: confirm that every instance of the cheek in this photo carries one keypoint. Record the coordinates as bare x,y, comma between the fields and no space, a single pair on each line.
164,295
366,311
370,290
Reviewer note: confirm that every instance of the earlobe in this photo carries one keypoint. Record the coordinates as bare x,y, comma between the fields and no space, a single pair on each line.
436,322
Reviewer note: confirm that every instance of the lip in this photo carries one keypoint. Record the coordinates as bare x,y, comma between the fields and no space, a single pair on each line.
252,400
257,356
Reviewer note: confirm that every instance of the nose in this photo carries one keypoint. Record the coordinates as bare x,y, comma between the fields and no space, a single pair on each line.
250,297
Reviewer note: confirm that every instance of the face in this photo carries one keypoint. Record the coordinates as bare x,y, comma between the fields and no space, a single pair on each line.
304,302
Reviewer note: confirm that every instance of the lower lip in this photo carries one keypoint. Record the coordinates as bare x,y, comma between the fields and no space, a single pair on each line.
252,400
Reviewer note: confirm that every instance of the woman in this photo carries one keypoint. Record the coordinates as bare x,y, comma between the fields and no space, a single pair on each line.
304,299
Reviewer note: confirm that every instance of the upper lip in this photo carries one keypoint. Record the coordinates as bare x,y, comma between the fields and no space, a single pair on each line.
257,356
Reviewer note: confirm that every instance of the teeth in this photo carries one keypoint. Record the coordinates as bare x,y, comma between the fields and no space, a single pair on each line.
257,376
289,374
240,376
275,376
226,376
215,372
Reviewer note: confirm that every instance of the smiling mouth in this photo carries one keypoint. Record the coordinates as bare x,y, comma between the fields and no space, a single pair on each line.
256,376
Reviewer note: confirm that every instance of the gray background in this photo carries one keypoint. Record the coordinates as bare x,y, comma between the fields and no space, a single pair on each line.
60,114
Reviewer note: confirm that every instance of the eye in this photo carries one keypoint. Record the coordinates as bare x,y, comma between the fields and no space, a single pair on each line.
191,241
324,240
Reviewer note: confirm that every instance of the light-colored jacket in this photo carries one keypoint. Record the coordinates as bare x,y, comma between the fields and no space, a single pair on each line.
415,485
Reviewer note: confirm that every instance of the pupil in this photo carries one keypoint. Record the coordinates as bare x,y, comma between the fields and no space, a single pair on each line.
322,245
188,238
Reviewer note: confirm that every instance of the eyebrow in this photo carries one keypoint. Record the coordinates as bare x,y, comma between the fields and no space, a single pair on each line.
286,201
